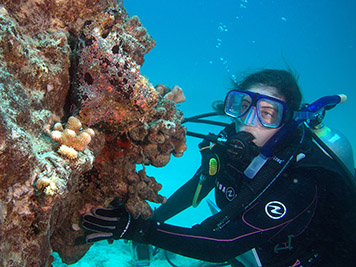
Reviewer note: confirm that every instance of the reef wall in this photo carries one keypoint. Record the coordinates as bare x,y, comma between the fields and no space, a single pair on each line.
76,118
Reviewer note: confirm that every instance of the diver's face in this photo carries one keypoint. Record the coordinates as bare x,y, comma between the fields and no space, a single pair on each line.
261,133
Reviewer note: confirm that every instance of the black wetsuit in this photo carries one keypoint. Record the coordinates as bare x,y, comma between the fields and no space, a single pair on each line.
306,217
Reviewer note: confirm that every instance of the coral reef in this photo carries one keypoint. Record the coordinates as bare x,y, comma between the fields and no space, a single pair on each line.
73,138
45,15
77,61
142,187
176,95
111,90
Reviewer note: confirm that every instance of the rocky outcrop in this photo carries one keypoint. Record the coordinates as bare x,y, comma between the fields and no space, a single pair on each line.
67,66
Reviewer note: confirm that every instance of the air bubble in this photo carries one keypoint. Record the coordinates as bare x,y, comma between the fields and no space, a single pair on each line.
222,27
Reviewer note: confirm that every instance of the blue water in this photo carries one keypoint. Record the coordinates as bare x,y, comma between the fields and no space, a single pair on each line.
202,44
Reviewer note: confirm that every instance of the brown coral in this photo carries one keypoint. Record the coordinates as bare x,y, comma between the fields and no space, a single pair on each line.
112,92
142,187
176,95
41,16
44,194
40,65
162,136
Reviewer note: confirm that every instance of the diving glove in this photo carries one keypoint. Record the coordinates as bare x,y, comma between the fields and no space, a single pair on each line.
110,224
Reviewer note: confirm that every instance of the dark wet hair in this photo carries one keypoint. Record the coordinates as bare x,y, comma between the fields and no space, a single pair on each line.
284,82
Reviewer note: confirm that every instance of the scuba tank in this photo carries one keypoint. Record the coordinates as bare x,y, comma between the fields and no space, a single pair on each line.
337,143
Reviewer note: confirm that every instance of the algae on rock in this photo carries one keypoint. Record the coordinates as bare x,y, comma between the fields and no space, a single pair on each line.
56,58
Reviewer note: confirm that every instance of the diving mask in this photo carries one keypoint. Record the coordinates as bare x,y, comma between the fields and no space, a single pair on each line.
247,106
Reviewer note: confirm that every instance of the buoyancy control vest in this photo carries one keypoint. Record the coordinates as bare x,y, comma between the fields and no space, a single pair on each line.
298,151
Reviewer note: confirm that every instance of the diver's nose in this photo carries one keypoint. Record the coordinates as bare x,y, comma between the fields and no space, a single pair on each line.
251,117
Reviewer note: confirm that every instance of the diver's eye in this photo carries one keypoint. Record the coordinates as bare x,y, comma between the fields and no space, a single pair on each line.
266,114
269,114
244,105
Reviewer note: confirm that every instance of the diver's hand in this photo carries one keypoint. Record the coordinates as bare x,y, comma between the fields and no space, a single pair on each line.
107,224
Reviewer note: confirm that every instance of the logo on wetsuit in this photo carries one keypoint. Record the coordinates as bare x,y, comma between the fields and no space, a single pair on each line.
229,192
275,210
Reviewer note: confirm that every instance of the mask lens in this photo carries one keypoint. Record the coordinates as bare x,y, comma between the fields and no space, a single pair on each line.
237,104
269,112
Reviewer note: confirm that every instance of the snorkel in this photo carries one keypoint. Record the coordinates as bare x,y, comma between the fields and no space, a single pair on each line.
307,113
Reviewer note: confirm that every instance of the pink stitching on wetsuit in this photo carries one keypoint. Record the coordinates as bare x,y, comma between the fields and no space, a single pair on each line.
242,236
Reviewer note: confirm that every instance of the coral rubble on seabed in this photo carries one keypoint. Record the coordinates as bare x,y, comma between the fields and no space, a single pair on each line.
82,59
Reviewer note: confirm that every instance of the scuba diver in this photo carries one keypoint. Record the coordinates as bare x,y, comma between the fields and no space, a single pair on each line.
280,193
